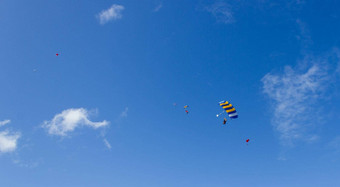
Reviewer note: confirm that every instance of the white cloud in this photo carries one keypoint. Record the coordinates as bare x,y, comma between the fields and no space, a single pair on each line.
4,122
222,12
296,92
113,13
8,141
68,120
108,145
124,114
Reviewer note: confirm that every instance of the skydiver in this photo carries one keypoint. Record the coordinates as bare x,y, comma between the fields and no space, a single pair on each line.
224,121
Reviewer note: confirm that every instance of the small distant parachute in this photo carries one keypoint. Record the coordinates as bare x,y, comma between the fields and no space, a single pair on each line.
57,54
247,141
228,107
185,108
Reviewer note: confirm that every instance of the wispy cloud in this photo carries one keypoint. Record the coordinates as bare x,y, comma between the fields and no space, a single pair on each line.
295,92
221,11
158,7
300,2
4,122
113,13
26,164
70,119
8,140
124,114
335,144
304,35
107,144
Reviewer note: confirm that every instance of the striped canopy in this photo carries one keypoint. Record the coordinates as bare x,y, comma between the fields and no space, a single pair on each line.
228,107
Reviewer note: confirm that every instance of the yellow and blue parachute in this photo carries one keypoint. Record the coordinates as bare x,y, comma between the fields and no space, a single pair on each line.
228,107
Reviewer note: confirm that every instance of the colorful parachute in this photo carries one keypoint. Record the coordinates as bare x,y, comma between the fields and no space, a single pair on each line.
185,108
247,140
228,107
57,54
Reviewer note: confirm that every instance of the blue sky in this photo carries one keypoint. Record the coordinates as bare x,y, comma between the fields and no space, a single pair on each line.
102,112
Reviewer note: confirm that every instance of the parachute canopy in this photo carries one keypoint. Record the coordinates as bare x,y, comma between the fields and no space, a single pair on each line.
228,107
